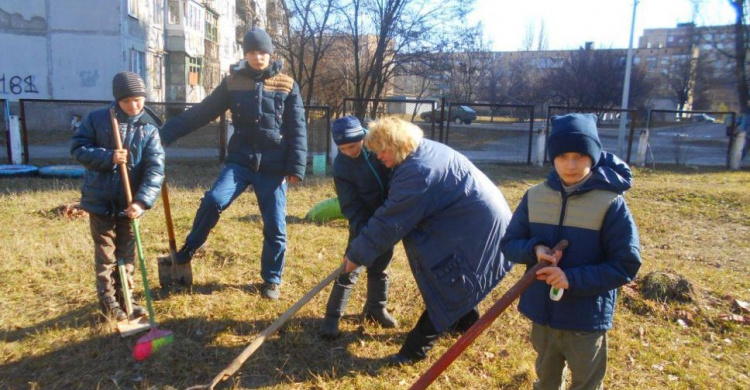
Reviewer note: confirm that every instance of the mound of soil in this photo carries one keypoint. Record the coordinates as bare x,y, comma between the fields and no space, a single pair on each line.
667,287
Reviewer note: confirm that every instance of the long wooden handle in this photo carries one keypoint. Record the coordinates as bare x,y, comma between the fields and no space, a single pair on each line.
239,360
483,323
168,216
118,144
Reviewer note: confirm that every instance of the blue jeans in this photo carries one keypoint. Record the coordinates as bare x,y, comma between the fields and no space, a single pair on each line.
270,190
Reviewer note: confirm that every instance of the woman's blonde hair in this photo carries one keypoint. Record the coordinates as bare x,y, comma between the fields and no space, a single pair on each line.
395,134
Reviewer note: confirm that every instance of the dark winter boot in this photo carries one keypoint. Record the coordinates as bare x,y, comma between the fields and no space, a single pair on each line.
335,309
377,297
112,310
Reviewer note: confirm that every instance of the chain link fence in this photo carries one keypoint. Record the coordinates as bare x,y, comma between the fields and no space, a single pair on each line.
412,110
318,133
491,132
687,137
207,142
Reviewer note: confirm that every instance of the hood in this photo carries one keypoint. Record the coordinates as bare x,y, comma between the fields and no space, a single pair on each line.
609,174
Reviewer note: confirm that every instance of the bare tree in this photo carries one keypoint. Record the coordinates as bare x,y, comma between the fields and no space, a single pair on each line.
738,50
681,78
308,35
528,37
593,78
469,63
542,42
384,33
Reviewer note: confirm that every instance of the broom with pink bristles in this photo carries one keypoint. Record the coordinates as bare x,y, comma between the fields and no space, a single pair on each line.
155,338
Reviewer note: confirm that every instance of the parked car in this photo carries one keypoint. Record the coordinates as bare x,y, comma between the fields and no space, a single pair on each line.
702,118
459,114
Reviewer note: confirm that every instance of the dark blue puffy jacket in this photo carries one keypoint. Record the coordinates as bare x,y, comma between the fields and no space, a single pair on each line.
92,146
603,252
361,185
270,133
450,217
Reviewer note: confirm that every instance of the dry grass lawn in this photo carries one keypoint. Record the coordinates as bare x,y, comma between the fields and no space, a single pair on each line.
693,222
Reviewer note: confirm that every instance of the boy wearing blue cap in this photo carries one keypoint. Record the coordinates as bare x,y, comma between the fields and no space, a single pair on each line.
362,185
582,202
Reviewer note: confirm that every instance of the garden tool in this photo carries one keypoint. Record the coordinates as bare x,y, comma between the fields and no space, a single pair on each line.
227,372
155,338
131,325
169,271
483,323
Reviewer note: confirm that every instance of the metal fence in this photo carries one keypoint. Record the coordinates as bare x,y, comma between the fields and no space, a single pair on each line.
411,110
208,141
4,132
687,137
608,125
318,132
48,125
491,132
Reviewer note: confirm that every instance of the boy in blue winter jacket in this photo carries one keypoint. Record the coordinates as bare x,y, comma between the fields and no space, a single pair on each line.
581,201
103,193
267,151
361,182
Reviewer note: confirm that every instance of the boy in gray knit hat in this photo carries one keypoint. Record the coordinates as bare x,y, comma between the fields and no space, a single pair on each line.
102,193
267,151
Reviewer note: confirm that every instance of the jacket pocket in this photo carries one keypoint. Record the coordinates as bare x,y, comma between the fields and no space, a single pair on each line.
455,282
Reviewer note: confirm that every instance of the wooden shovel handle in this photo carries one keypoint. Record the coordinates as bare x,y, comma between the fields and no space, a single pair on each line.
239,360
118,144
168,216
483,323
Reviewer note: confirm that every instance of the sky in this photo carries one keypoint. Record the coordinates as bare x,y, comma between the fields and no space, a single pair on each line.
570,23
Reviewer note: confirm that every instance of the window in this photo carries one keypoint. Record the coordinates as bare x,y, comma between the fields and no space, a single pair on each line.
650,63
195,70
157,67
174,12
211,31
138,63
133,8
157,15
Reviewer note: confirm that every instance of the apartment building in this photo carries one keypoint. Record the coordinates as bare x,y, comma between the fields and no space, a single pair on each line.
665,54
72,49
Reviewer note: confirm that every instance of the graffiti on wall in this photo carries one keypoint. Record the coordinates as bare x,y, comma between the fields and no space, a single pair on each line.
17,84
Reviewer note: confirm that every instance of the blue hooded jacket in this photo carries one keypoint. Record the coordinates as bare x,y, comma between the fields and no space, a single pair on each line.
603,252
93,145
450,217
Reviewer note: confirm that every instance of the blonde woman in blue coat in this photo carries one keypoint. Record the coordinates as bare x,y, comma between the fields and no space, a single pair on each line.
450,217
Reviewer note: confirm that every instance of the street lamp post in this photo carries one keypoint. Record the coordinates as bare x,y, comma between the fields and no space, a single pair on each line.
626,90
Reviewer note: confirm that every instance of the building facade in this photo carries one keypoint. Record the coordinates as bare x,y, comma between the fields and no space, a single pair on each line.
71,49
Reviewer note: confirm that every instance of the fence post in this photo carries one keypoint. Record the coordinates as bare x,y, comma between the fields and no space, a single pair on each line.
14,140
640,158
735,155
541,139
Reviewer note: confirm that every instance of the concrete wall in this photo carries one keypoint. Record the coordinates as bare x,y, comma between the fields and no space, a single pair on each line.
55,49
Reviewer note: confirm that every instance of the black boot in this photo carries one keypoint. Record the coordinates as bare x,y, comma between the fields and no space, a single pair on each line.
377,297
112,310
335,309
